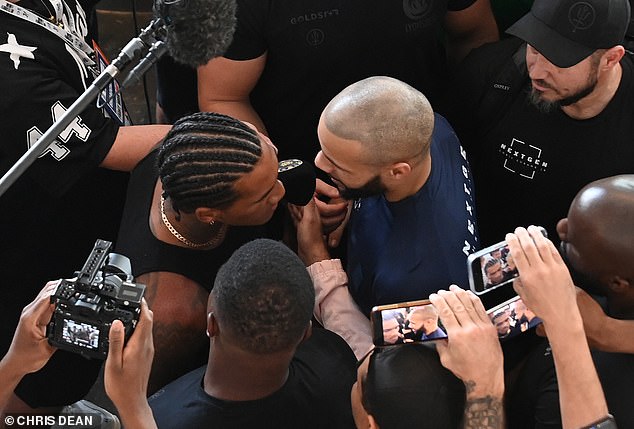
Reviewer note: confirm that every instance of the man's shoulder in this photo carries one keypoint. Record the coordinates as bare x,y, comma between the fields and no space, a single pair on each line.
323,349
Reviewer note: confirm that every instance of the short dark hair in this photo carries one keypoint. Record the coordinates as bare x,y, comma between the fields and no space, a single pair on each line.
407,386
202,157
264,296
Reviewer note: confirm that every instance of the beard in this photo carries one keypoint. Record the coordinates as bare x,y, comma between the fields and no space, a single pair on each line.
548,106
371,188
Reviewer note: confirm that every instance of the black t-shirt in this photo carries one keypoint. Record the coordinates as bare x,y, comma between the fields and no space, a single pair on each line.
56,210
148,254
316,394
315,49
528,166
616,372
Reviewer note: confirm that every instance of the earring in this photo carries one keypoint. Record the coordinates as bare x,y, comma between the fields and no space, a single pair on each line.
212,222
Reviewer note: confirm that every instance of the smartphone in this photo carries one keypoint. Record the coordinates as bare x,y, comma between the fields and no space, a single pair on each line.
512,317
406,322
492,267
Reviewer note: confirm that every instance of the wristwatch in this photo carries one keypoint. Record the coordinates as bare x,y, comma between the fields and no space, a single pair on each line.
605,423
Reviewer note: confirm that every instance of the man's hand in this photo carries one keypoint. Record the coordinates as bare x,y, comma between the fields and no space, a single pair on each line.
127,369
545,284
311,246
30,349
334,213
472,350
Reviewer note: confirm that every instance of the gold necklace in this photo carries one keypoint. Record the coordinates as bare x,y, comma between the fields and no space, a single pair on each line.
211,243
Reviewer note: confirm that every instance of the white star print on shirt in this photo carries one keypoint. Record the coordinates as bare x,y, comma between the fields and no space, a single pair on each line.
16,50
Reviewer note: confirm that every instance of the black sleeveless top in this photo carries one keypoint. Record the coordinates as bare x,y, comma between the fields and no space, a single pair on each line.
148,254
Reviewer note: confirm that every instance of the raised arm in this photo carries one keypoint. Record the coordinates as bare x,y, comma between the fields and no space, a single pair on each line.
547,289
602,331
132,144
472,352
224,86
334,307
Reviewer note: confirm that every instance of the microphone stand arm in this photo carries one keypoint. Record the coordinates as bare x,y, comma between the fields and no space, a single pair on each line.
133,50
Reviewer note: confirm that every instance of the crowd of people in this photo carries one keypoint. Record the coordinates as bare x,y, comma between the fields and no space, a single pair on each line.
257,311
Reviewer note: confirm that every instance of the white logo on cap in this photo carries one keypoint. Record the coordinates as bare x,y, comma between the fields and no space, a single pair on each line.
581,16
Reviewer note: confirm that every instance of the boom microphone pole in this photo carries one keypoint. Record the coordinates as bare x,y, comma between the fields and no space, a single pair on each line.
133,50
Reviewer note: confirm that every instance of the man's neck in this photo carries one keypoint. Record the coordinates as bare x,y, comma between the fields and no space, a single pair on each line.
590,106
415,181
239,376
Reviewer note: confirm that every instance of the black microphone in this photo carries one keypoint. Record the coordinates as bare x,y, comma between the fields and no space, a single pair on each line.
156,51
298,178
197,30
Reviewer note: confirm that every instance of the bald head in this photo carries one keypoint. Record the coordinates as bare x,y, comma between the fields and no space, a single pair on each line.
601,225
390,118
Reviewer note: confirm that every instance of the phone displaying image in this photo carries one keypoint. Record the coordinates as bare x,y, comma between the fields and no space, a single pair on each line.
406,322
512,317
492,267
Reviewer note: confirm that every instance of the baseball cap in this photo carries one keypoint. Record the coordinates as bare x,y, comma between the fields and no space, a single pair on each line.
407,386
567,31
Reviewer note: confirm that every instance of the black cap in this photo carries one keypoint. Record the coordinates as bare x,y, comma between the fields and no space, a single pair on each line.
567,31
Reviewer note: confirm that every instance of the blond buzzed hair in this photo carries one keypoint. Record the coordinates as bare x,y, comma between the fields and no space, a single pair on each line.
392,120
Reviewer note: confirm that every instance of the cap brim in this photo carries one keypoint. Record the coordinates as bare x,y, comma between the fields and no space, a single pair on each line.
557,49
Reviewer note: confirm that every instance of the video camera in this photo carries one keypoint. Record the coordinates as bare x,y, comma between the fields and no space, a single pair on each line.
86,306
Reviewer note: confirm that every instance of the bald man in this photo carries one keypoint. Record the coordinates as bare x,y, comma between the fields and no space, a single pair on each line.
412,224
598,246
423,321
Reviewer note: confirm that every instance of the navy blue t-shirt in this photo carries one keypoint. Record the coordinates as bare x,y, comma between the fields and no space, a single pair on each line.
405,250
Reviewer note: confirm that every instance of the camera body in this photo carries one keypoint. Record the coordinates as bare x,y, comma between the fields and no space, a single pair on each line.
86,306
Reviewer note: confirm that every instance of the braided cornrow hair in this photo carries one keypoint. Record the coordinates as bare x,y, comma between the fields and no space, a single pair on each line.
202,157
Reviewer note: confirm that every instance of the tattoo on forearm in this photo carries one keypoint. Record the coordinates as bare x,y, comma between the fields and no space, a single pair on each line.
483,413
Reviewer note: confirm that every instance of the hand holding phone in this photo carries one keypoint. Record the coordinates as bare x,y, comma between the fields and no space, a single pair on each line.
472,351
492,267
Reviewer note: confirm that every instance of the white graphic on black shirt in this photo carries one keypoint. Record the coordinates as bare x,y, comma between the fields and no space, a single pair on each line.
523,159
16,51
58,149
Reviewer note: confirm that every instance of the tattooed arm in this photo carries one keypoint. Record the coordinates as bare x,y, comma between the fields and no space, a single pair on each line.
472,352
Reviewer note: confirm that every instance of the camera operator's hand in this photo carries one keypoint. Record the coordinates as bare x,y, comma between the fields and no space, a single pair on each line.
545,284
334,213
127,371
472,349
29,350
311,246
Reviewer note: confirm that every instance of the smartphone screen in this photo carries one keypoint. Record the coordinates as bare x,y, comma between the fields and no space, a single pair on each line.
512,317
492,267
407,322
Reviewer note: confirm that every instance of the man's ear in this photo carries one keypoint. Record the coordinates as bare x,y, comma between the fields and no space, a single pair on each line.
308,332
613,56
372,422
399,170
212,325
208,215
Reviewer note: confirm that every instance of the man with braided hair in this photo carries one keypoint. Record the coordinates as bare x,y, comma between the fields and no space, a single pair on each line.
190,204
